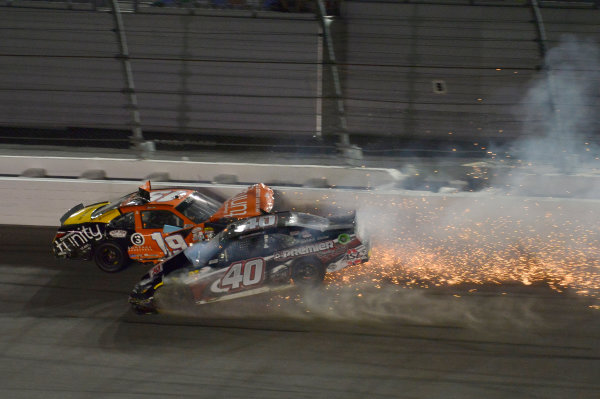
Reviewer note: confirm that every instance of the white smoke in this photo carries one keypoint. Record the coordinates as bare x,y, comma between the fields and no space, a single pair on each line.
562,108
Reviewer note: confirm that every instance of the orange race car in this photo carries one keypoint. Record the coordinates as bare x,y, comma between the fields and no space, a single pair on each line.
151,224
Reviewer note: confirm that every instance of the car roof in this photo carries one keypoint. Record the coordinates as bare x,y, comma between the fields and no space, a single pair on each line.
170,197
284,219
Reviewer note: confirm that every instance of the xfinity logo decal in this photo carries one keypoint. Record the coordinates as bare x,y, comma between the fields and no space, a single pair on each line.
304,250
81,236
78,238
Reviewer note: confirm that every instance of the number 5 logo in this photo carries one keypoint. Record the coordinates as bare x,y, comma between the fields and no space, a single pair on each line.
137,239
244,274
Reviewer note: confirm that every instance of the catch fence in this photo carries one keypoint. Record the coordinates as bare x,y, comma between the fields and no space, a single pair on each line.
281,72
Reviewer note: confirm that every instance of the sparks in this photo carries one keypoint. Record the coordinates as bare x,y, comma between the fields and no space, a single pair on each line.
434,247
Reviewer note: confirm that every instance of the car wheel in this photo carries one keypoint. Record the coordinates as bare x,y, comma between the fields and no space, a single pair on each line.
308,272
110,257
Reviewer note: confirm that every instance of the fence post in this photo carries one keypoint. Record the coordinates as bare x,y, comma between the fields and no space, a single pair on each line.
140,146
348,151
559,134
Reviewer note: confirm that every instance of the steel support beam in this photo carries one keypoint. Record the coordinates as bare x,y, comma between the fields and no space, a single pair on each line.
348,151
141,147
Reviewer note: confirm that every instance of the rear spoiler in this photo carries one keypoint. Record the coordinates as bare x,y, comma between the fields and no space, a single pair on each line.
144,191
70,212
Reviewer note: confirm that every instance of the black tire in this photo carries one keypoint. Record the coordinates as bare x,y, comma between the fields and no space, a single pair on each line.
110,257
308,272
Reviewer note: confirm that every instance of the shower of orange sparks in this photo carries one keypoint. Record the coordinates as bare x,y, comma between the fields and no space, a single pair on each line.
425,268
419,251
417,242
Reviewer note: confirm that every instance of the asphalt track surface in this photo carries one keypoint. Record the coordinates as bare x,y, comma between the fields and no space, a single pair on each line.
66,331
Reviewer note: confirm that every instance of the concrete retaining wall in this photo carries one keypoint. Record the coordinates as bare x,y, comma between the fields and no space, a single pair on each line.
38,190
197,172
41,201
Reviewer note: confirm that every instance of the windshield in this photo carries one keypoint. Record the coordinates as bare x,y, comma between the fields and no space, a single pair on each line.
128,199
203,251
198,208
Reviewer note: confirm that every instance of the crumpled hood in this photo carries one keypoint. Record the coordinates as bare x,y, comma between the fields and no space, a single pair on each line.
85,215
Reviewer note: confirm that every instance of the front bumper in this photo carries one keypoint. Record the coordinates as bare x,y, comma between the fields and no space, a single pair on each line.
142,305
142,299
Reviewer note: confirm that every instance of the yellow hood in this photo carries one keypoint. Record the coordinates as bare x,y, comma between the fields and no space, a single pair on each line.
85,215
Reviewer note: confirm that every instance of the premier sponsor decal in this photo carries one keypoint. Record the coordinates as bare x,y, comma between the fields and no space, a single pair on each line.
303,250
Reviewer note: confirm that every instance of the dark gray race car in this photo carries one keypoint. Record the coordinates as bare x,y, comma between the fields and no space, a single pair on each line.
253,256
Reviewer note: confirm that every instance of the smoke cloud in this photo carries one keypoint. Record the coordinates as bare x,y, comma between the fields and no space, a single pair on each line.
562,106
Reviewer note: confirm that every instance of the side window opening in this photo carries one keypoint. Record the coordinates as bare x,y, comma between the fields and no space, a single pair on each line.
299,236
276,241
159,218
256,245
245,248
